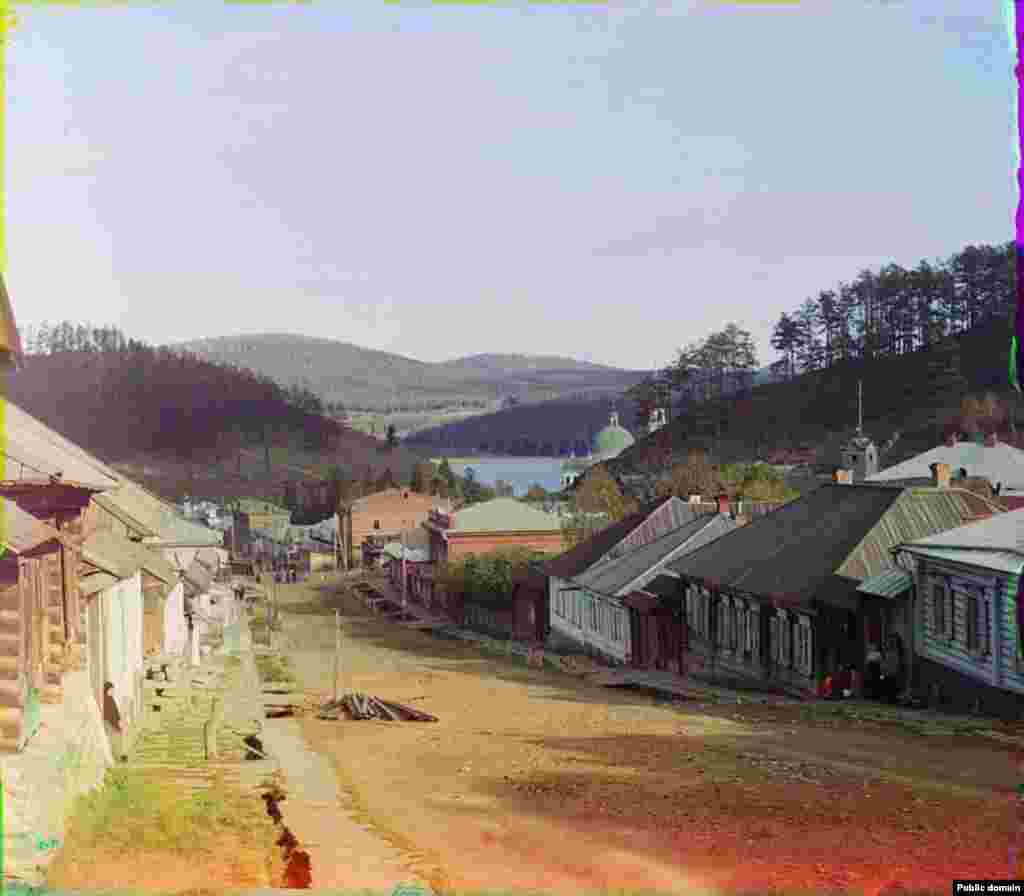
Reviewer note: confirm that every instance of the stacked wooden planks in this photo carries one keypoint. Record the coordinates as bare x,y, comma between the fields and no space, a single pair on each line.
361,707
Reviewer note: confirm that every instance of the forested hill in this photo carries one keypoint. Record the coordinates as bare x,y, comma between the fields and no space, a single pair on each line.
920,338
911,397
178,415
364,379
546,429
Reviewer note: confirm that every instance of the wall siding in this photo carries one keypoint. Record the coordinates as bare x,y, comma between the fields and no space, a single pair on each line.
571,620
1010,654
952,653
709,656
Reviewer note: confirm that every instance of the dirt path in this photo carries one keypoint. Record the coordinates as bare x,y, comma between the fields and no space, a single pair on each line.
534,780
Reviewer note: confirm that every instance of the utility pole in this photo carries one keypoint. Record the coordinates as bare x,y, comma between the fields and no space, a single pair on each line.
404,585
337,652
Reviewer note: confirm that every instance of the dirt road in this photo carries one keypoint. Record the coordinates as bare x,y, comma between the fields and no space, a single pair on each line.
534,780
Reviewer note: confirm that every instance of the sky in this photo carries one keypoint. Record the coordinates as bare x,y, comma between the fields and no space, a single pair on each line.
608,182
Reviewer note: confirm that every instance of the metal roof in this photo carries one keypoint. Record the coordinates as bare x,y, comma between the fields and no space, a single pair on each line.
504,515
20,531
32,452
587,553
997,463
627,572
1003,532
890,583
1001,561
916,513
818,544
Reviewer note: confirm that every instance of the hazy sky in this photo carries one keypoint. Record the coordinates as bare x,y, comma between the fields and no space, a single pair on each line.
607,182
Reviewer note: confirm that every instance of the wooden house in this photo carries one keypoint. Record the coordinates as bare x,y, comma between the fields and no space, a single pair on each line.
968,615
595,621
778,600
159,583
593,610
137,514
30,611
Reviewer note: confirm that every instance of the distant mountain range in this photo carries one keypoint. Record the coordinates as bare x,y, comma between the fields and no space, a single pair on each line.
367,379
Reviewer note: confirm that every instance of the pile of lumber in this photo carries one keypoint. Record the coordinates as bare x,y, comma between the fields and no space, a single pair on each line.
361,707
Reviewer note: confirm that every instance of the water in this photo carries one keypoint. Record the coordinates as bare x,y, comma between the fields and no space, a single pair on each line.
519,472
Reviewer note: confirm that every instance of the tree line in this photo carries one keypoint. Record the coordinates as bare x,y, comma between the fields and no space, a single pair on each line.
885,313
167,401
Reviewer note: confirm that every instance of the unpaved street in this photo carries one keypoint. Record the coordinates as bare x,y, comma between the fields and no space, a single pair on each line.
535,780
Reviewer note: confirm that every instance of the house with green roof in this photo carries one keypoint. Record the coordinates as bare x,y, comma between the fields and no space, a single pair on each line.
490,526
968,615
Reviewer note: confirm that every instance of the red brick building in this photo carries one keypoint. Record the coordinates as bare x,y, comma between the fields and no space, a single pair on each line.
491,526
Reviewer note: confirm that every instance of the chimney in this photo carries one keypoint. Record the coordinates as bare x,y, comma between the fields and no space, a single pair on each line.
940,475
991,440
723,503
843,477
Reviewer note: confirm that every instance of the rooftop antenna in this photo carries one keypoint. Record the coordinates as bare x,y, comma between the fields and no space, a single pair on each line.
860,407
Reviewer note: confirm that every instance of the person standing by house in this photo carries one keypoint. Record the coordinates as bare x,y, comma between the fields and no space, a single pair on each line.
873,673
892,670
112,722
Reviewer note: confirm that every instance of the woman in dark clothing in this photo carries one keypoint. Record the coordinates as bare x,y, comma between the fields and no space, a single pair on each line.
873,673
112,721
892,670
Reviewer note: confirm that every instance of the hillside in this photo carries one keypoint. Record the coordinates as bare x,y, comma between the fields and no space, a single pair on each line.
547,429
502,365
366,379
184,426
912,395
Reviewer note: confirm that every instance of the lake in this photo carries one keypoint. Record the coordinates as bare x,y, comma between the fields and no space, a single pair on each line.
519,472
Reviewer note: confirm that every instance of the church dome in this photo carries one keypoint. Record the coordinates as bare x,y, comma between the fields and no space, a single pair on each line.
613,439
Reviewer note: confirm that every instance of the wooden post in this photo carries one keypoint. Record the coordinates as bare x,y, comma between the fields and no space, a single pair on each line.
337,653
213,727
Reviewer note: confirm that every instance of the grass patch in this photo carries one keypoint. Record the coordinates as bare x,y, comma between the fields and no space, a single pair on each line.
273,667
132,812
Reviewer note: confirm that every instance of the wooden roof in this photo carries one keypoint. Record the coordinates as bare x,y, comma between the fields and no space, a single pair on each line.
10,340
20,531
33,453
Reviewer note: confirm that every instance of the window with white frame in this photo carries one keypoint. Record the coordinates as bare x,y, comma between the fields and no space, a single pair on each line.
784,638
942,606
803,660
977,637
